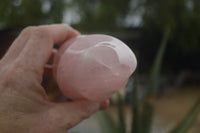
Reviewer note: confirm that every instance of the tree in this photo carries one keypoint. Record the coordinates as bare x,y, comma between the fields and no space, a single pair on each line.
19,13
102,14
180,17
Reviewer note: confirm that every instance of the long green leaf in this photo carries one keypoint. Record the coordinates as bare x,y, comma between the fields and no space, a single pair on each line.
155,72
147,117
152,86
121,114
135,128
184,125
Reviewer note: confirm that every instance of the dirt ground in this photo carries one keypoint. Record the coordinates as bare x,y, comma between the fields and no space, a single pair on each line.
172,107
169,109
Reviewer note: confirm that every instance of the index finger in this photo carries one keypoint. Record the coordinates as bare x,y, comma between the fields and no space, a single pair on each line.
40,43
57,32
21,41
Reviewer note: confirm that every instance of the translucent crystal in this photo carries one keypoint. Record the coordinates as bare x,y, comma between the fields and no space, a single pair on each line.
93,67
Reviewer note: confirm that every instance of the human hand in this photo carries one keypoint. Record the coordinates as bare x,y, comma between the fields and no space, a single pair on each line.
24,105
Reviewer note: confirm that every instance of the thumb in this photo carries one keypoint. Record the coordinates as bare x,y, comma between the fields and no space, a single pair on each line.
67,115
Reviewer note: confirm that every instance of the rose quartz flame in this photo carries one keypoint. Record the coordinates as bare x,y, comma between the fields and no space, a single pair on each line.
93,67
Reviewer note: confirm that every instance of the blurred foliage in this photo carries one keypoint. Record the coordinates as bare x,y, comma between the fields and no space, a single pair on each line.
181,16
20,13
95,14
143,108
102,14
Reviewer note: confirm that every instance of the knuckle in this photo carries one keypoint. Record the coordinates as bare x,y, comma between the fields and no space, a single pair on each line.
15,69
36,32
11,74
41,33
21,69
28,30
18,72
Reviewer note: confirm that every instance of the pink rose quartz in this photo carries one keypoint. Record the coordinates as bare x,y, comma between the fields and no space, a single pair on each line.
93,67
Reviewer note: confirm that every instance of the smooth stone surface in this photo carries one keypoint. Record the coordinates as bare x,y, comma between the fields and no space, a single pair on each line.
93,67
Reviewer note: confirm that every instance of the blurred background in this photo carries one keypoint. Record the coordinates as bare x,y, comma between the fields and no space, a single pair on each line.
164,35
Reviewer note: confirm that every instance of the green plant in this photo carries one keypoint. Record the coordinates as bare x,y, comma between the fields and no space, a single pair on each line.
143,108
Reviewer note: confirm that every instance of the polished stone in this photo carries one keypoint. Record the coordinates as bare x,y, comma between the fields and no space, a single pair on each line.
93,67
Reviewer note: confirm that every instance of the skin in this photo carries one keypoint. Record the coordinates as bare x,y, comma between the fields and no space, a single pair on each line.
24,105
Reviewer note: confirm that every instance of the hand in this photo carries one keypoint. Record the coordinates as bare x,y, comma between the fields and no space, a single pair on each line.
24,105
